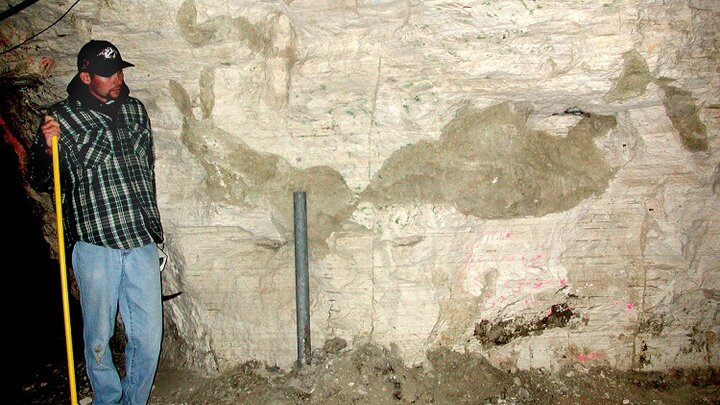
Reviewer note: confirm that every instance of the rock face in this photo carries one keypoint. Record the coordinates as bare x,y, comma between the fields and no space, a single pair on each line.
532,180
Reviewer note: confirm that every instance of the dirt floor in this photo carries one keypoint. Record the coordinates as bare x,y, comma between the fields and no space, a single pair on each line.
370,374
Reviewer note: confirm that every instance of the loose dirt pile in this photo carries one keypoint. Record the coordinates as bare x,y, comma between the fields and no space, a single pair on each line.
371,374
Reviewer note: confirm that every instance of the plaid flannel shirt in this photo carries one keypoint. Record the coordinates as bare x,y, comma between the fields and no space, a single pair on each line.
107,168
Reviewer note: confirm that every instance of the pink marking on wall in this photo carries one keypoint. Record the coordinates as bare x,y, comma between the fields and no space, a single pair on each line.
46,62
523,272
590,356
630,306
459,276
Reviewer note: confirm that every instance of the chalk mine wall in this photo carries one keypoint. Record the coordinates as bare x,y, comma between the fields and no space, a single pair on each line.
532,180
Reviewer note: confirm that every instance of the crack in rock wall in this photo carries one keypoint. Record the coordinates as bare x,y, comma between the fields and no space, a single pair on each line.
533,181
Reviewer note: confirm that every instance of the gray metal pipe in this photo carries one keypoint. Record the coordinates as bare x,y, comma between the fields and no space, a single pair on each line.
302,285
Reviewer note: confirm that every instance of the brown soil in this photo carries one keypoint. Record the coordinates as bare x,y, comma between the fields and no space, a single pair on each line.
371,374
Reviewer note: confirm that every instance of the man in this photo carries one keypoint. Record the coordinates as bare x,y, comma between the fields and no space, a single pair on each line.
111,217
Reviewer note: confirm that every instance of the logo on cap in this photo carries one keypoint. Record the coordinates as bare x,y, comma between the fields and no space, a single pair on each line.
108,53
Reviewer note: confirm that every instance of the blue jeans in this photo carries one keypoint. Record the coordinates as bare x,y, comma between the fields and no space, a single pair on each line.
128,279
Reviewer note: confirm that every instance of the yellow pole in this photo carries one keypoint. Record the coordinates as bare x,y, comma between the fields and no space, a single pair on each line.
63,273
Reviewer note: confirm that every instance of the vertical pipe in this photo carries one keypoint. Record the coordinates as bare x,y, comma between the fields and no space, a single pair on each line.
302,287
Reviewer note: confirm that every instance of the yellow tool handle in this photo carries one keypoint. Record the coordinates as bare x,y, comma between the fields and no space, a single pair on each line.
63,273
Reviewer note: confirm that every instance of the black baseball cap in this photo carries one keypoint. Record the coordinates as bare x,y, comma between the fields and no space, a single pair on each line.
100,58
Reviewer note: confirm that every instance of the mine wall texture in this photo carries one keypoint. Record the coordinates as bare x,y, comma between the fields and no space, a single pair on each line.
536,181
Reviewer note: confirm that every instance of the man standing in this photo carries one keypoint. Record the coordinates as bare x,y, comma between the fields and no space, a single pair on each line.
111,217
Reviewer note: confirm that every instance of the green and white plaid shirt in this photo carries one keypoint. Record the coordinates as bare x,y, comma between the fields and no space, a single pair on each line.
107,167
